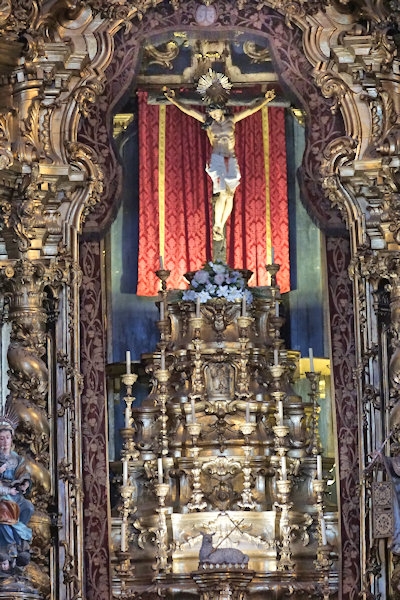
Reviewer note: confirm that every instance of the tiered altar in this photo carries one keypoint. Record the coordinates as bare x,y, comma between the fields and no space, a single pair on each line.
222,445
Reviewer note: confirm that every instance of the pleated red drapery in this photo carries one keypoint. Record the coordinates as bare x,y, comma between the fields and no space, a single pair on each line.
175,211
260,204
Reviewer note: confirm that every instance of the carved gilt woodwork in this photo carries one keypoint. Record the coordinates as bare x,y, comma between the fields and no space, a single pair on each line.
62,72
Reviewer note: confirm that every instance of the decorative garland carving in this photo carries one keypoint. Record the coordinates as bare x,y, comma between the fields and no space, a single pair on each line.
94,427
24,216
17,16
341,317
128,9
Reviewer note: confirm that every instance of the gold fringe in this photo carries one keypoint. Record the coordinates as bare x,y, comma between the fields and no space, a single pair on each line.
268,232
161,176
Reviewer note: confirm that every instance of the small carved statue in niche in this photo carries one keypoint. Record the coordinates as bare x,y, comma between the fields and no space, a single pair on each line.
219,378
15,510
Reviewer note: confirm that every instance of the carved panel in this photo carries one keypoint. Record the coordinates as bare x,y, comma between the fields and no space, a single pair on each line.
343,362
94,427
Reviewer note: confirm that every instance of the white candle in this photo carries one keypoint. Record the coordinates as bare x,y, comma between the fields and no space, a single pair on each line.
123,536
198,307
319,467
280,412
160,470
124,472
162,359
193,410
244,308
247,412
311,356
323,531
127,416
283,467
128,362
277,308
276,357
162,310
272,255
161,263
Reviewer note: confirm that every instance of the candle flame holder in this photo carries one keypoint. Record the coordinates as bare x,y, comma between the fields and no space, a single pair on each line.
161,490
162,375
163,275
318,486
247,428
273,271
284,486
196,323
276,371
244,324
129,379
281,431
194,429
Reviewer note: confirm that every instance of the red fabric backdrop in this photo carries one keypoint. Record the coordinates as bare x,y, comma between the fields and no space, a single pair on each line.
188,192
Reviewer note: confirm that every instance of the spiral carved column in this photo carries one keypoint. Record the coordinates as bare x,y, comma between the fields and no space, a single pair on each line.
25,283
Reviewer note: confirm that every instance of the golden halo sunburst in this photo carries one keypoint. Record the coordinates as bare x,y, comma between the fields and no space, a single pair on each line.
214,87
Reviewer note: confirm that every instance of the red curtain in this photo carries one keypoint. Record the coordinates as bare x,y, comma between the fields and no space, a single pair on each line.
187,212
187,190
247,227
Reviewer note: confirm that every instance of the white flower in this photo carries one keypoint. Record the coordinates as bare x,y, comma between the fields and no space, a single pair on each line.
219,268
217,280
204,296
190,295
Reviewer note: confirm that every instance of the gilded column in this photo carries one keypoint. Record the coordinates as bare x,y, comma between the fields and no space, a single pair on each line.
24,283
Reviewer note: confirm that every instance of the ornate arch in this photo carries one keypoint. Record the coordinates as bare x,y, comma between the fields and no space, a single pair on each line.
295,71
324,127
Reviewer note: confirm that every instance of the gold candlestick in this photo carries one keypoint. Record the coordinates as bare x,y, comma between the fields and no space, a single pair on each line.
163,275
273,270
197,502
196,323
247,429
315,441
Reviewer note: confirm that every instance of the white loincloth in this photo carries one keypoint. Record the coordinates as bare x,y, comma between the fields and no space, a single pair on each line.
224,172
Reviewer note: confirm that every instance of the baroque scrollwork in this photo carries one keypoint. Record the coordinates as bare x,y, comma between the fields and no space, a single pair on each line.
338,153
162,55
16,17
83,156
86,96
332,87
6,156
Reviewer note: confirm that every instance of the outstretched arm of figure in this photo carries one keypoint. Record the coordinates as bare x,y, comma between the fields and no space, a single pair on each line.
196,114
270,95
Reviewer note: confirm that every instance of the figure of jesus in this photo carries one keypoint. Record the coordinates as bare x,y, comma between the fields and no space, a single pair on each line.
223,167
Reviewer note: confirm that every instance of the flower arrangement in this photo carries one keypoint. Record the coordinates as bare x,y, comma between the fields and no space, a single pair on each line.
217,280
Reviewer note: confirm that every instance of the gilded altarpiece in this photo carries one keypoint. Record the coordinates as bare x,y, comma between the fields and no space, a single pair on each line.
58,95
